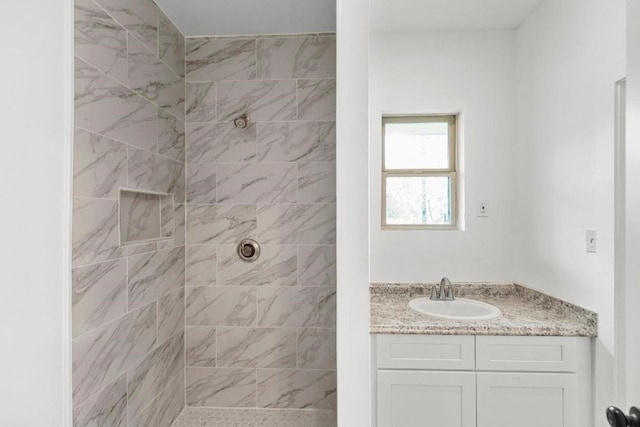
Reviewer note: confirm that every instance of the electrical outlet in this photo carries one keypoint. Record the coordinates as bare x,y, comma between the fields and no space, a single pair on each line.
591,240
483,208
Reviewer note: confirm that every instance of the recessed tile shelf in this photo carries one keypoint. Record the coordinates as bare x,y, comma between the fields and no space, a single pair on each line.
145,216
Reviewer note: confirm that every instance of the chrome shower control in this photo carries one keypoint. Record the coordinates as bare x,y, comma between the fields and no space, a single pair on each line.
248,250
241,122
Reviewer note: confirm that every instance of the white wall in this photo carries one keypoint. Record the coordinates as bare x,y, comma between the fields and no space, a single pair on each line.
569,55
538,143
471,73
353,344
34,170
633,204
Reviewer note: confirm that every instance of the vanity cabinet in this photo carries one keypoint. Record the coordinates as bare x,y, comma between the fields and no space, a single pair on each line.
481,381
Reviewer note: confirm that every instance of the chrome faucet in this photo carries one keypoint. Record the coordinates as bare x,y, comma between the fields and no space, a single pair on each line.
445,293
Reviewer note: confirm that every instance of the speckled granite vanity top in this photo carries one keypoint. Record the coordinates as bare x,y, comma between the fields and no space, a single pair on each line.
524,312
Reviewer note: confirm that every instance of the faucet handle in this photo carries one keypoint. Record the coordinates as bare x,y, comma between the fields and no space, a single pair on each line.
450,293
434,292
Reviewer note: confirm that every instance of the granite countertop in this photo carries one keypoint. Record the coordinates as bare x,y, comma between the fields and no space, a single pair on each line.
524,312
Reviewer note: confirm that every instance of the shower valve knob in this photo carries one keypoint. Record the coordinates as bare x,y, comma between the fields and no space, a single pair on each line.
248,250
241,122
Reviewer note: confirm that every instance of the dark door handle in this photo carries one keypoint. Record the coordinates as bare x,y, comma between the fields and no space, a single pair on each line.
617,418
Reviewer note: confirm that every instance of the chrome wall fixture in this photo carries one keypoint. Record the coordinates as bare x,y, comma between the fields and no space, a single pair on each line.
241,122
248,250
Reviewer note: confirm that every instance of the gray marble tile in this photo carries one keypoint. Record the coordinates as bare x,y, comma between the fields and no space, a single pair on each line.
317,99
296,142
171,45
265,100
200,342
289,388
223,387
220,142
99,294
257,183
170,314
95,231
167,220
152,79
201,265
104,106
108,408
201,102
310,224
201,183
154,275
147,379
209,224
276,267
102,355
99,40
166,244
140,17
317,183
296,57
171,136
296,307
138,248
256,347
179,217
139,216
99,165
316,348
316,265
221,306
210,59
152,172
141,167
165,408
178,184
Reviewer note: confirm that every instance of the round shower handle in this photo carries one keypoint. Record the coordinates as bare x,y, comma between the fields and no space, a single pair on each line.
248,250
241,122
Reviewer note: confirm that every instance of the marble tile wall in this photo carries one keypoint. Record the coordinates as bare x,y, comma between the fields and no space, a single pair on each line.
128,300
261,334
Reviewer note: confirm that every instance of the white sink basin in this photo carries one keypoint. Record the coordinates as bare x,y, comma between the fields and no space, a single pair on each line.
460,309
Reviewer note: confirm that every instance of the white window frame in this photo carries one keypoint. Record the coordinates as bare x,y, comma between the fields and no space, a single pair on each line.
450,171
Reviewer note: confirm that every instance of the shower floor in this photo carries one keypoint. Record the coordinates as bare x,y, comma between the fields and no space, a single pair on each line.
254,417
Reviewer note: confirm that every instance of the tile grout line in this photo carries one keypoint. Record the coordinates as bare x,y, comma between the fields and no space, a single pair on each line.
128,144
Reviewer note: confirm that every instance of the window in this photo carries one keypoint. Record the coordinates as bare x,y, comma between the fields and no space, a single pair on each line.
419,172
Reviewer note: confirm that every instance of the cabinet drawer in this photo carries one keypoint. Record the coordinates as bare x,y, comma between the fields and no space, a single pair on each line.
455,352
543,354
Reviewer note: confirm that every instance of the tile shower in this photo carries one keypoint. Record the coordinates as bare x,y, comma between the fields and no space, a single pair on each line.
261,334
165,314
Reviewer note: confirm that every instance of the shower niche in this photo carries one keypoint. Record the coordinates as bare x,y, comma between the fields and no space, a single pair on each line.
145,216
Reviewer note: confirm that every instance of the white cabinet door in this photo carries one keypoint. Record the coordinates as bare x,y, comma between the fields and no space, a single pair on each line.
424,399
527,400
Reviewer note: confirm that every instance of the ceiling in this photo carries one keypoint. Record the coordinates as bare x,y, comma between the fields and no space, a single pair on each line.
235,17
454,15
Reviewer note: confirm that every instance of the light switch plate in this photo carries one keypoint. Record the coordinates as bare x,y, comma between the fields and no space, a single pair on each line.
483,208
591,241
